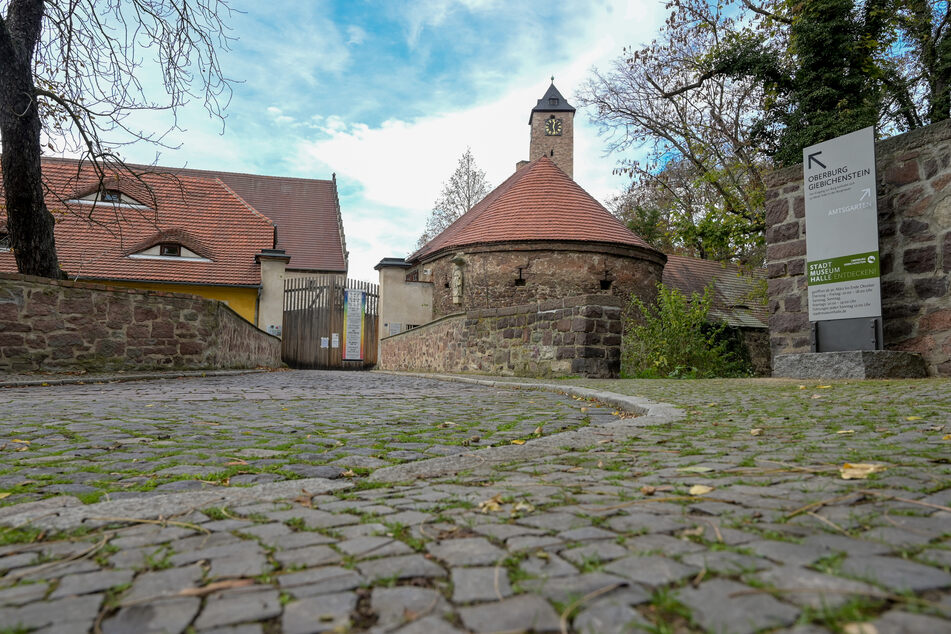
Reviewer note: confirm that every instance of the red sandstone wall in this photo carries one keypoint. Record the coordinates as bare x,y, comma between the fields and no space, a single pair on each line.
914,220
551,271
60,325
577,335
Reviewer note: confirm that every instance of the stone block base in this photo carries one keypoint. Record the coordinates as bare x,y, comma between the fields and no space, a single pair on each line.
857,364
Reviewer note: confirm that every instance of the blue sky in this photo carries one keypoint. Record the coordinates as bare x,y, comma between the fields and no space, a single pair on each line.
389,94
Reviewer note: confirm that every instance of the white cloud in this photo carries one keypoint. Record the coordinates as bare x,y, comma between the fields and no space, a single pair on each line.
355,35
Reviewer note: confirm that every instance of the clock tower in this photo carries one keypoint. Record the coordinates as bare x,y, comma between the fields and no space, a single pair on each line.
552,122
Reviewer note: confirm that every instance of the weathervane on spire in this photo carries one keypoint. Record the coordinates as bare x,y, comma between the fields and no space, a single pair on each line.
553,79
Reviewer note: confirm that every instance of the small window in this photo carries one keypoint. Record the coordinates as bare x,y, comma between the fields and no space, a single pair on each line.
4,241
553,101
110,196
606,285
171,250
520,281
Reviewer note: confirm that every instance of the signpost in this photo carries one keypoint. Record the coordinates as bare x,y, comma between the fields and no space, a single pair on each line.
842,243
354,311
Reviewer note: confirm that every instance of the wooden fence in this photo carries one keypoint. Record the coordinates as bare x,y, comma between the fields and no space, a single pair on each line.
313,334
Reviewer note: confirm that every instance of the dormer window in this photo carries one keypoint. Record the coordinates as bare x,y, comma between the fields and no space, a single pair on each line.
553,101
168,251
171,250
4,241
108,196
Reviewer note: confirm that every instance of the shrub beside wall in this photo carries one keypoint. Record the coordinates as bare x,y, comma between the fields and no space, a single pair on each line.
61,325
914,224
576,335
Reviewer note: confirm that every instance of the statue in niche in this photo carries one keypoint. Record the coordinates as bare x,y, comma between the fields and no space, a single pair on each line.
457,279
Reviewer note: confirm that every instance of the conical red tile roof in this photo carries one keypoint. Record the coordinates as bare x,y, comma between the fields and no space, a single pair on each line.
538,202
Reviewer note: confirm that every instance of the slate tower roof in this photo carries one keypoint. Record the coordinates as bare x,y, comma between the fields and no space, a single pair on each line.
551,102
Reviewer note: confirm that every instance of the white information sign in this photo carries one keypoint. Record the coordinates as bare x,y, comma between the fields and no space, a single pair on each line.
335,340
354,311
842,259
324,342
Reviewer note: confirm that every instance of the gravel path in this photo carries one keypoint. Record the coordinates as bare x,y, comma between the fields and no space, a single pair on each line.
307,502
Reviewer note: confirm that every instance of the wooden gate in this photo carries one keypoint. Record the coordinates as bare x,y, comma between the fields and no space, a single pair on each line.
313,331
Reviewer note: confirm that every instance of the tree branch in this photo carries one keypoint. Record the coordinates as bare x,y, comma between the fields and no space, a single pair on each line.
769,14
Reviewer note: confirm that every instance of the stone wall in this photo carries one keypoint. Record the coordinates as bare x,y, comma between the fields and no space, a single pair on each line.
550,270
65,326
914,219
576,335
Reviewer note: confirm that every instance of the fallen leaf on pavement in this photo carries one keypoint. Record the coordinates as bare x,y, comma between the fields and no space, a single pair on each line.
215,587
305,499
5,494
859,628
756,431
700,489
846,431
695,469
521,507
349,473
493,504
236,463
946,437
823,387
912,417
518,441
648,490
538,430
859,470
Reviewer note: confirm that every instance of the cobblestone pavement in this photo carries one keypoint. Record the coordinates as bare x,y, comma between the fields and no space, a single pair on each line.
728,515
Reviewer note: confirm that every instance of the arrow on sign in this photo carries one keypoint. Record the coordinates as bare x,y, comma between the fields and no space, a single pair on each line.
866,193
813,159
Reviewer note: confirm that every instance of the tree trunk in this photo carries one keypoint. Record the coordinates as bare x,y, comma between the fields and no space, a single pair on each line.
29,222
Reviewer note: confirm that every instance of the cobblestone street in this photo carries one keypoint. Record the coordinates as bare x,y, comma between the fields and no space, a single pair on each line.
302,502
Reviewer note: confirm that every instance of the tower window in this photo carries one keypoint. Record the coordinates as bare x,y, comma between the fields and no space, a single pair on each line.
553,101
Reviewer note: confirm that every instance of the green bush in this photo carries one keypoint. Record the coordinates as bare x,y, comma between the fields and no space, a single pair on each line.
674,339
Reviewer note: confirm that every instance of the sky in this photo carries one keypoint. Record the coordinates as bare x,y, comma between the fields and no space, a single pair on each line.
389,94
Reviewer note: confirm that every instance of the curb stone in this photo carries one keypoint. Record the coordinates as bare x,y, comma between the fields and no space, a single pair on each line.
649,413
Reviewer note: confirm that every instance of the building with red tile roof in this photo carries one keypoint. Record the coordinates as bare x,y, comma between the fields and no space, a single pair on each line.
537,236
160,231
305,211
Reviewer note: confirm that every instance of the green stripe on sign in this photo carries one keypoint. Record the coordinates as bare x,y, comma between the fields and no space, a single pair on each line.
860,266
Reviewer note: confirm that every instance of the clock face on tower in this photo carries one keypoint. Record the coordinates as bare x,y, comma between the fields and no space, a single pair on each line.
553,127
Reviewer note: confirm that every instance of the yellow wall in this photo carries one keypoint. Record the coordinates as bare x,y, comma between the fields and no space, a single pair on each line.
242,300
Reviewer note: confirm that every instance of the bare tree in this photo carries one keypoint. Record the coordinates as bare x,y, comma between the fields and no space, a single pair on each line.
71,73
466,187
693,127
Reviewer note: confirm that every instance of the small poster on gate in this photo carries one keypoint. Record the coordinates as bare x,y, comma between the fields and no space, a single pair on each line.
324,342
335,340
